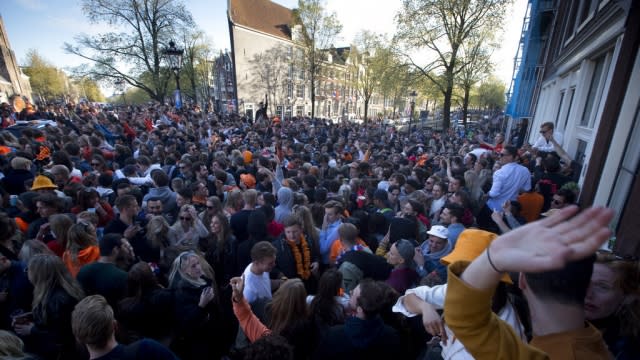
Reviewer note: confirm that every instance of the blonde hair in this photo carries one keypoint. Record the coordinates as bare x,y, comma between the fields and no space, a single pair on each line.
177,270
20,163
10,345
92,321
308,227
46,273
60,224
288,306
31,248
79,237
158,232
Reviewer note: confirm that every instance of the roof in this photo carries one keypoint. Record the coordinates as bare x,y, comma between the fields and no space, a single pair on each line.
262,15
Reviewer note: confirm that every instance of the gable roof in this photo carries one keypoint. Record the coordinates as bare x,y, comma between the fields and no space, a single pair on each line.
261,15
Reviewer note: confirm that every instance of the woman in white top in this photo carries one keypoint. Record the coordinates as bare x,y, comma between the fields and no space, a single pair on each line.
189,228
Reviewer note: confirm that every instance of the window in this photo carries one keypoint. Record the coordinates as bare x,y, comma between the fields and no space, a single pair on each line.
279,111
572,92
571,19
588,7
289,90
592,102
628,169
557,122
581,153
299,110
300,91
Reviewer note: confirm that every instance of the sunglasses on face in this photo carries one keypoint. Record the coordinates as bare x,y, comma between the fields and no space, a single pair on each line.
185,218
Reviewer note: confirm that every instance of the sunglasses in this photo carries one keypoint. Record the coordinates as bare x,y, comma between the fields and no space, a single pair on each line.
185,218
95,164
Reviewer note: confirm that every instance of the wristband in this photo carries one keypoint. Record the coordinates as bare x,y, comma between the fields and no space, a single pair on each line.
491,262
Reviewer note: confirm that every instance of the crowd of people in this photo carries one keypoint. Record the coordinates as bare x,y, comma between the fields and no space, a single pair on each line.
145,232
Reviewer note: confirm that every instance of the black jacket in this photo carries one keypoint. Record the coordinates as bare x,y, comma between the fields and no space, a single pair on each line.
52,338
361,339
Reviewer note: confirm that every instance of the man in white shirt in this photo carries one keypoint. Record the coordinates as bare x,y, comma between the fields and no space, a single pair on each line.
509,181
257,285
544,144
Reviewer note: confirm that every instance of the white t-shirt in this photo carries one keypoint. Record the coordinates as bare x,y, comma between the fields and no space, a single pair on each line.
256,286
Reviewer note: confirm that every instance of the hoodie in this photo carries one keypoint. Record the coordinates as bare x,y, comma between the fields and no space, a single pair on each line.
285,201
85,256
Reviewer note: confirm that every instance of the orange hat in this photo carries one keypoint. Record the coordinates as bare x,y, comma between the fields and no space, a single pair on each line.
249,180
43,182
248,157
470,244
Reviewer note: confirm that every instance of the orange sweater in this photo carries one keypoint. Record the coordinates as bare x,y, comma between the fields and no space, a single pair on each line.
249,322
85,256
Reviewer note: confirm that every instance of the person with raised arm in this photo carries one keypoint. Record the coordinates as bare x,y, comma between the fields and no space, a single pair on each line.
555,259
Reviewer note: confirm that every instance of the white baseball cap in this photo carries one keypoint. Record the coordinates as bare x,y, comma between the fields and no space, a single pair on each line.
439,231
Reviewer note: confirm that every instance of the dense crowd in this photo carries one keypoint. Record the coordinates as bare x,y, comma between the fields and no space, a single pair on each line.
145,232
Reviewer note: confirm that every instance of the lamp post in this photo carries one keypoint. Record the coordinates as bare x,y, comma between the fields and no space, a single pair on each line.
121,86
413,95
174,57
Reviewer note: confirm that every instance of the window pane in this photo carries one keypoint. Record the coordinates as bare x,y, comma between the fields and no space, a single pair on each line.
566,118
593,90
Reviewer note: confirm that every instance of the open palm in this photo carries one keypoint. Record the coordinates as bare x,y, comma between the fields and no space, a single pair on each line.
550,243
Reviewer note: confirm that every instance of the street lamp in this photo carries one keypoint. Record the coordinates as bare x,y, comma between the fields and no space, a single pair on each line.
121,86
174,57
413,95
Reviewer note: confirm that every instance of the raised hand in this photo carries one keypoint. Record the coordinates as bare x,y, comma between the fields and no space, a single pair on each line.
550,243
237,287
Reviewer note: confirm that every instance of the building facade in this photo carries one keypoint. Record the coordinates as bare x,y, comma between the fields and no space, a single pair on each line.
269,65
12,80
588,89
224,96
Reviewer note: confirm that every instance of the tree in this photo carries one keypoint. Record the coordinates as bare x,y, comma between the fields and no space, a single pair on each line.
272,69
317,31
475,63
47,81
88,89
372,62
197,53
442,26
395,82
491,94
145,29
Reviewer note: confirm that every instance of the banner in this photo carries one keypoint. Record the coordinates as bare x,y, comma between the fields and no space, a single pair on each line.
178,99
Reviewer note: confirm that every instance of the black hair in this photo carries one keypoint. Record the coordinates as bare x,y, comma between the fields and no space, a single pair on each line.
455,210
108,243
566,286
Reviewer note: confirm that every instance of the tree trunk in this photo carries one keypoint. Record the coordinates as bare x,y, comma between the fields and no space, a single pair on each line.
366,109
194,88
465,105
446,108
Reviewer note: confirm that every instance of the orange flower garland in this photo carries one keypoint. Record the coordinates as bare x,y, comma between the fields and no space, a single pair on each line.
303,260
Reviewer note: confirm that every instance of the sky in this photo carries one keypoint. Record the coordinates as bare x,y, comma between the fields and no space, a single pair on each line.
45,25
